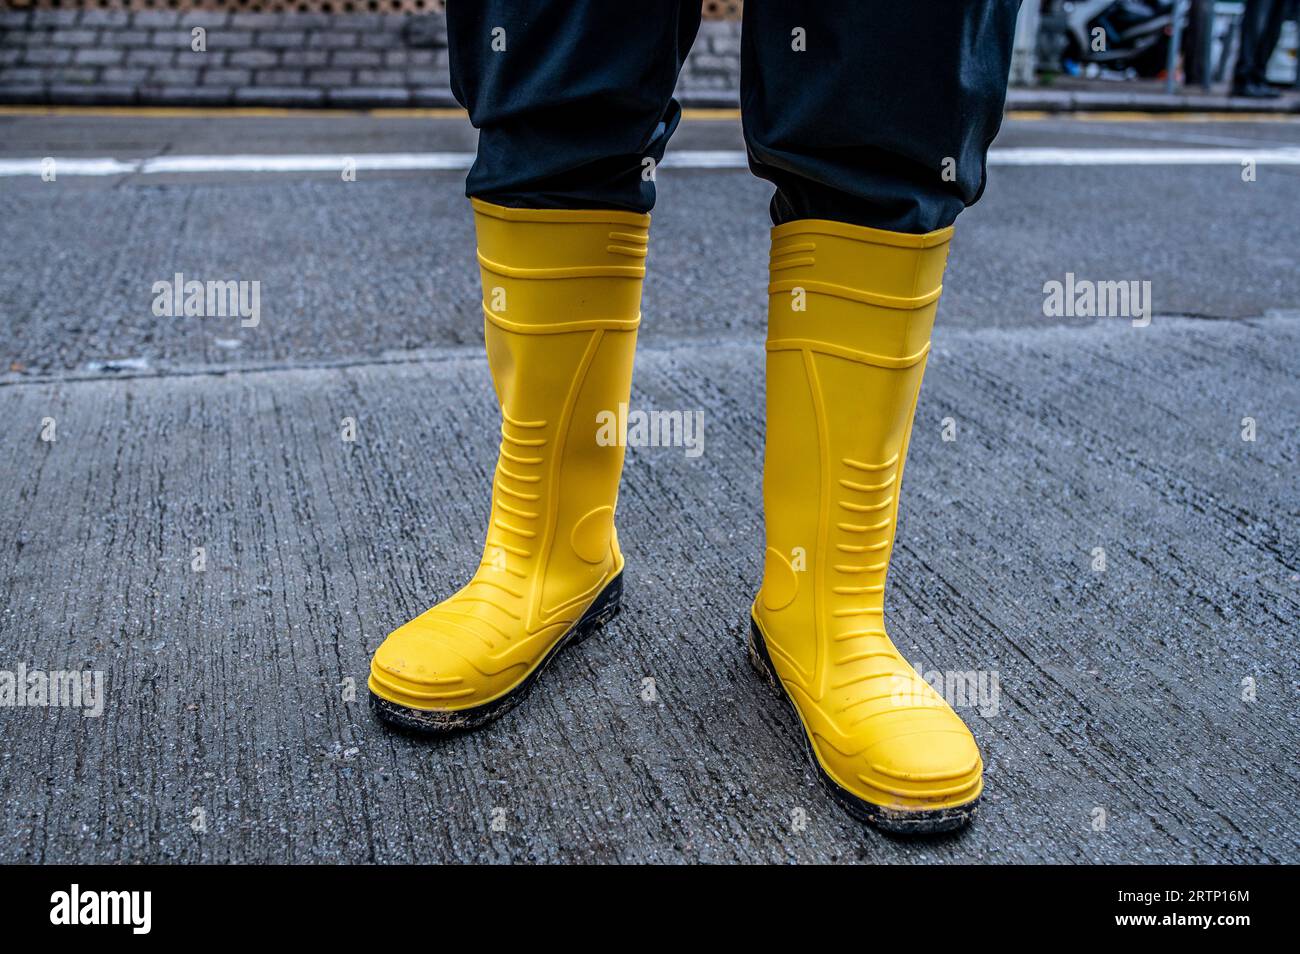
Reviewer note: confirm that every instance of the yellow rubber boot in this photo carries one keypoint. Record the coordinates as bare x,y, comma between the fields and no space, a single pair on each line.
849,316
561,300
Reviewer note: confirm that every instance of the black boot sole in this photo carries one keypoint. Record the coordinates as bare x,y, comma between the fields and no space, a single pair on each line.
895,821
449,721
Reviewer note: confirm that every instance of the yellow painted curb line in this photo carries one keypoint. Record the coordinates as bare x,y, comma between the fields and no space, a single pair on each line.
690,115
711,115
229,112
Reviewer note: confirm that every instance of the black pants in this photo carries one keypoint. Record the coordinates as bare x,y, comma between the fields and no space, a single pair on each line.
1261,25
871,112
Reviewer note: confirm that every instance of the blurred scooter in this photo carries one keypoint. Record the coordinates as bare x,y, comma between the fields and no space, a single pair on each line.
1130,37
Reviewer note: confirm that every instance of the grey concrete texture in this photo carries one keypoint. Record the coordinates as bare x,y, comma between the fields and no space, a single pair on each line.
385,264
1157,693
1121,690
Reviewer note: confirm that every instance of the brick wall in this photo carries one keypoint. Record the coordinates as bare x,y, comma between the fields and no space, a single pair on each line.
147,57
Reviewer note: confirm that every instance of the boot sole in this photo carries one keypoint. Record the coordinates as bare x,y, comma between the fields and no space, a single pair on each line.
449,721
895,821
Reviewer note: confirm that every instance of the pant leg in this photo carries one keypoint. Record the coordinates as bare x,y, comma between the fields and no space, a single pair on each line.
569,96
857,127
1260,29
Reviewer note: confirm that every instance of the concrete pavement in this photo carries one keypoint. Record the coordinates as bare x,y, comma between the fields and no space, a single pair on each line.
1147,709
385,263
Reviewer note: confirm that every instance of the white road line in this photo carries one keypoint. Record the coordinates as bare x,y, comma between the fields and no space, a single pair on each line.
70,167
681,159
1048,156
704,159
362,162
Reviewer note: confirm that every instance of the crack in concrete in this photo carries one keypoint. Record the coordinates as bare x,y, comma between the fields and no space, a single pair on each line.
475,352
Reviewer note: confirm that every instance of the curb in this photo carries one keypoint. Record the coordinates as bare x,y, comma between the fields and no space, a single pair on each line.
1087,101
1028,100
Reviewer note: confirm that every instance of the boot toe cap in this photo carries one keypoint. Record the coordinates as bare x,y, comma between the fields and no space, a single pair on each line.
937,764
415,668
914,764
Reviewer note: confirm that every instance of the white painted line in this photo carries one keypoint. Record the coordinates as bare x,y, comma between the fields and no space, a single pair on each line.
704,159
1047,156
681,159
362,162
67,167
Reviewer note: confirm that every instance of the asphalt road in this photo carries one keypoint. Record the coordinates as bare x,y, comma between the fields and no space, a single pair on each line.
1147,712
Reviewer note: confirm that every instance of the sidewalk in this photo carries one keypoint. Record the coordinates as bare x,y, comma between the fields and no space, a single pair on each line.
1142,96
1121,690
1099,535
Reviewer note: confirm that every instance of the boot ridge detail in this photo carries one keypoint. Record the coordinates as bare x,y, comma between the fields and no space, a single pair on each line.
561,307
839,351
850,313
